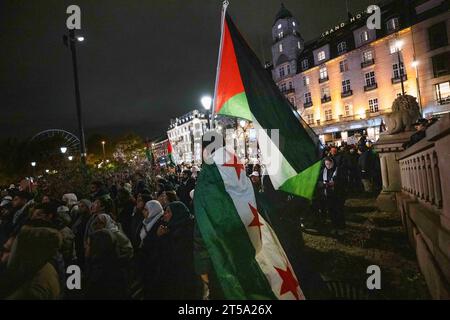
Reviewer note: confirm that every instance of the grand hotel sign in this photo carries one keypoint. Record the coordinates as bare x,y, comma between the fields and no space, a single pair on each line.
341,25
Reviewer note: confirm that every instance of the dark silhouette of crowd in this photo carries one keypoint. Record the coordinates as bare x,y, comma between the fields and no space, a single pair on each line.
135,235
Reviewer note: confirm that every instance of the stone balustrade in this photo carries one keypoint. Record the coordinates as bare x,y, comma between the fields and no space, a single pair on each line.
424,204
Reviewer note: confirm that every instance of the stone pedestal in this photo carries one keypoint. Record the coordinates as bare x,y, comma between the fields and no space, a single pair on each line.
388,147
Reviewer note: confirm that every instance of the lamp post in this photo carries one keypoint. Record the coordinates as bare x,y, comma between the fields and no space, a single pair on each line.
415,65
63,150
70,41
398,46
33,165
206,103
103,147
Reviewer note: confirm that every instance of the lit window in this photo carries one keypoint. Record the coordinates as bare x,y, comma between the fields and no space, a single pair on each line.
342,47
280,34
364,36
348,109
305,64
367,56
325,92
392,24
323,73
443,92
280,47
321,56
346,86
393,46
343,65
370,79
397,70
308,97
373,105
279,26
328,115
306,81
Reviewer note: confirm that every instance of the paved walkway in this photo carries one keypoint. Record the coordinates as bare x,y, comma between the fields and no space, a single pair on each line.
372,238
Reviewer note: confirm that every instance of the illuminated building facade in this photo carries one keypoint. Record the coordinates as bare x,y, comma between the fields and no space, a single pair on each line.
185,134
344,81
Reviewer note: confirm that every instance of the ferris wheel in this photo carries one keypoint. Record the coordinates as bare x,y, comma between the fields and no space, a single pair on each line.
68,139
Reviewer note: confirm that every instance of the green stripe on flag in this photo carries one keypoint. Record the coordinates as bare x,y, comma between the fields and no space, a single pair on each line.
304,183
227,240
237,106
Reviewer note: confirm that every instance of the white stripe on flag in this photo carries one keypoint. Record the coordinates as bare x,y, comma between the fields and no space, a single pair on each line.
278,168
269,252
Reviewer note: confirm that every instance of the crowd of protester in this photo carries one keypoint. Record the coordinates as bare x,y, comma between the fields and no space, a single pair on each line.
136,232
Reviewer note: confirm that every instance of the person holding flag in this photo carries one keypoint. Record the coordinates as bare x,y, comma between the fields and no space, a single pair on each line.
248,259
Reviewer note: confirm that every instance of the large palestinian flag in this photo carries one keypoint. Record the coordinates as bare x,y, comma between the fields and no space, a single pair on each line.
246,90
249,261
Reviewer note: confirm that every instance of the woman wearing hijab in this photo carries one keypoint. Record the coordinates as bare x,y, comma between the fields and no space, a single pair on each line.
108,258
176,262
148,254
105,278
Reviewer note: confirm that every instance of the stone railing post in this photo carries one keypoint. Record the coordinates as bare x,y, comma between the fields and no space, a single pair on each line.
388,147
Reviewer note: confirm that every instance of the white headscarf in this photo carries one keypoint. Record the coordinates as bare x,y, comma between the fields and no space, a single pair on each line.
155,211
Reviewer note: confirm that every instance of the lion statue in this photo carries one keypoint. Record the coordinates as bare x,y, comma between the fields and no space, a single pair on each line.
405,111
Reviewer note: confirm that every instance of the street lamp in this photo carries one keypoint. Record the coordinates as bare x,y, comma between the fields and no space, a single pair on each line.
398,47
70,158
33,164
415,65
206,103
70,41
103,146
63,150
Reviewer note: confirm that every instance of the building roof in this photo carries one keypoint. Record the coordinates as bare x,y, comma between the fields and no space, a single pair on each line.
282,14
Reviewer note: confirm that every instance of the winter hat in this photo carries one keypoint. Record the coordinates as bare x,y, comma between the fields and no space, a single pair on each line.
70,199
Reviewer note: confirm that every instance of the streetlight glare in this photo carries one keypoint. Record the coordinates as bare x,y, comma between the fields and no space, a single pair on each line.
80,38
33,164
399,44
70,158
103,142
63,149
415,64
206,102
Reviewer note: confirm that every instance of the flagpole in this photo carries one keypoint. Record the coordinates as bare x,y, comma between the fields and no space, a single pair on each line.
219,59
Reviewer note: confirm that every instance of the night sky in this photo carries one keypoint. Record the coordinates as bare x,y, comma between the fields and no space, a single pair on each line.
142,63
